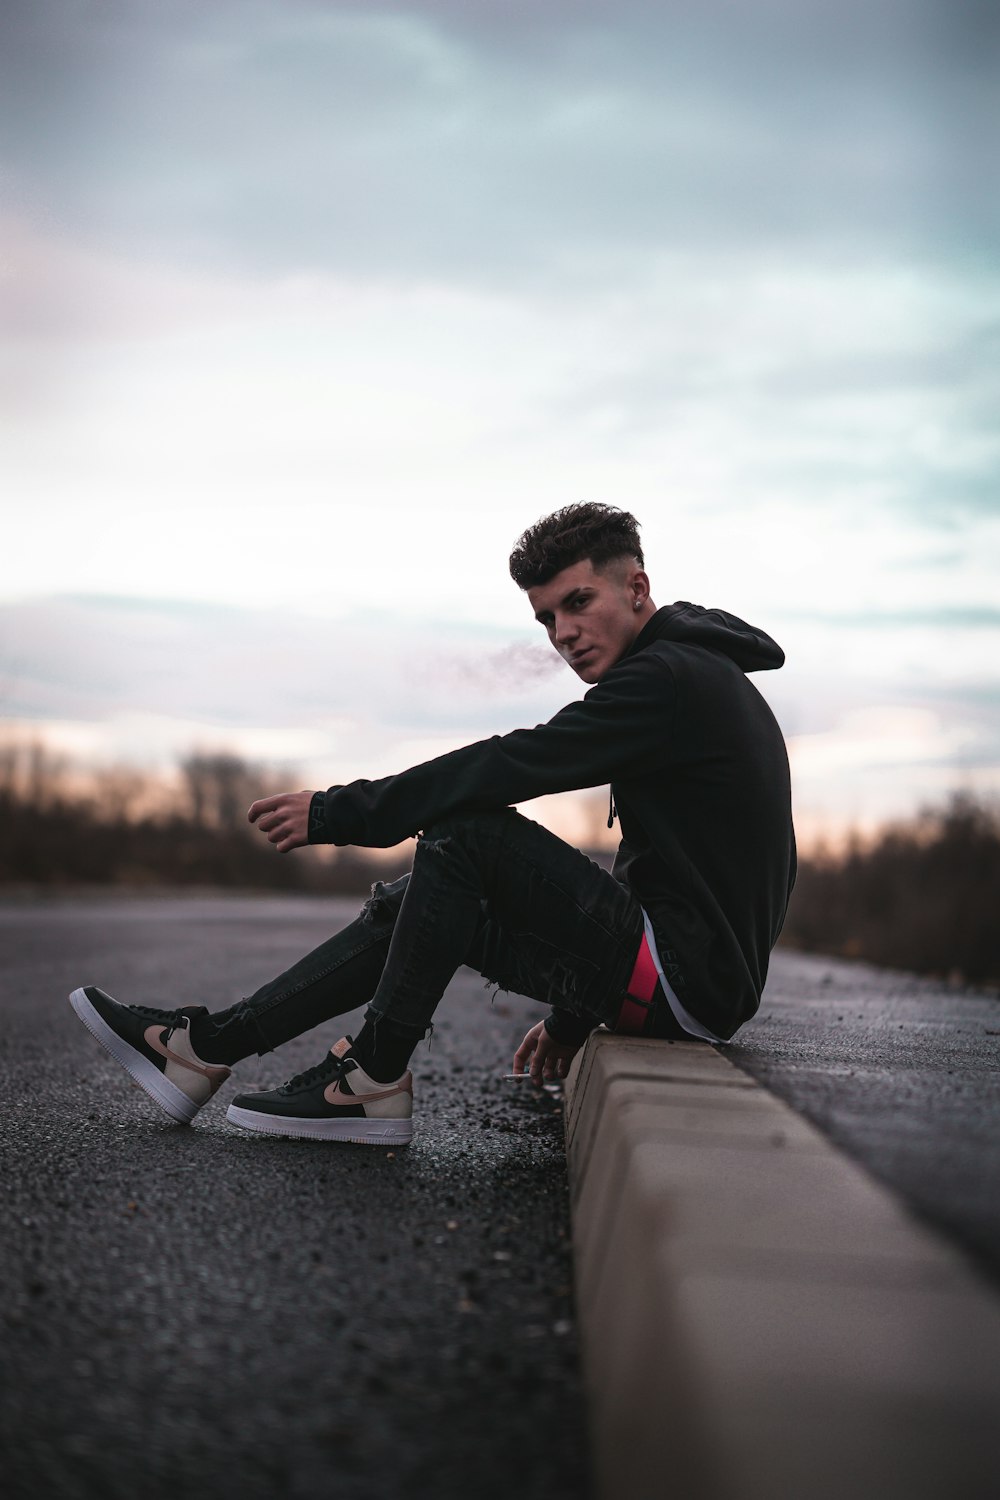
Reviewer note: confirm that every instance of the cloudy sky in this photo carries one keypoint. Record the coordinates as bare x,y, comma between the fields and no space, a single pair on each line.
311,307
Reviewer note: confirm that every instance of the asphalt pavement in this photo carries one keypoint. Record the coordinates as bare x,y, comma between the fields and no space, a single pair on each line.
194,1311
901,1072
198,1311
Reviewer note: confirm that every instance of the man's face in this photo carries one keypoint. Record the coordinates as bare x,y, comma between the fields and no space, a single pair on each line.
592,617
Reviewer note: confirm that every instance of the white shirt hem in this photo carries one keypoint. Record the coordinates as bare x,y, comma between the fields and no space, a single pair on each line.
681,1016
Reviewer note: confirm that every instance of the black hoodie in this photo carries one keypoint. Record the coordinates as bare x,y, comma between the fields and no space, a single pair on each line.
699,778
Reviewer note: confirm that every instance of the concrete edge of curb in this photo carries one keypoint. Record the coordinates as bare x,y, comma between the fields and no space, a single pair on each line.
758,1317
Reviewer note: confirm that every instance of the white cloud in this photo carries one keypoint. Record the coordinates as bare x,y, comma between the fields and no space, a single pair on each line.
311,308
876,738
157,679
884,762
444,143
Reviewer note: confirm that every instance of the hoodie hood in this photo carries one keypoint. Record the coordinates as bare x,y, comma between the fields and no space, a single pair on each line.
751,649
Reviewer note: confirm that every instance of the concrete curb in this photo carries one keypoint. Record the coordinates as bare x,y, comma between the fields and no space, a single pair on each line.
759,1319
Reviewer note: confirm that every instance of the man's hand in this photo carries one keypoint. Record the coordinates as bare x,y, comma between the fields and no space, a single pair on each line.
546,1059
284,818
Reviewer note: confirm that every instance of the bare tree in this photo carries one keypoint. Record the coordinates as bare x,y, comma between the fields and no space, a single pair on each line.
221,786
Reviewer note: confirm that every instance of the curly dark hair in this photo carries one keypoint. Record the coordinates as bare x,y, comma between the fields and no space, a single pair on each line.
600,532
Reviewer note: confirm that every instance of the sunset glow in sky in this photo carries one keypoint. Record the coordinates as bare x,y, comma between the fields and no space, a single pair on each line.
310,308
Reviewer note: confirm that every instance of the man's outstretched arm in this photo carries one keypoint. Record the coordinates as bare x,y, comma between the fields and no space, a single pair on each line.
622,727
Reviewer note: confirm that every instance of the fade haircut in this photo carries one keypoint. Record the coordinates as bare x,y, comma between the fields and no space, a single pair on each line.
602,533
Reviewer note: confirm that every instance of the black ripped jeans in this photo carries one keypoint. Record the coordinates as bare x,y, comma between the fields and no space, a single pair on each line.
492,890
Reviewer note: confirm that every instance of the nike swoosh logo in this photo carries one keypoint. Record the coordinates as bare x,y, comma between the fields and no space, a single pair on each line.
334,1094
151,1036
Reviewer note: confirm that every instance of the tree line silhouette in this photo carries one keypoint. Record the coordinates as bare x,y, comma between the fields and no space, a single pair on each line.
120,826
922,895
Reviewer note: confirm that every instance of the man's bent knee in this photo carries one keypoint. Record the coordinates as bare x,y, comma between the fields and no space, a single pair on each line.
385,900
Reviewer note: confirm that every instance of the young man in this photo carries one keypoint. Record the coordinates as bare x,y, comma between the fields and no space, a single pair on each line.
674,943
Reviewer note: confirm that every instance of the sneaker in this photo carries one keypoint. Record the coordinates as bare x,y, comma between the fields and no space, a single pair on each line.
154,1046
335,1101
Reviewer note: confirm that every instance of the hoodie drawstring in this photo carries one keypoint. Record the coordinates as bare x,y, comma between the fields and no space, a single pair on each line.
612,809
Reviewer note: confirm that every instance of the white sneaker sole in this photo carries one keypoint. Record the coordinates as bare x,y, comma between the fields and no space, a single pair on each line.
360,1132
168,1096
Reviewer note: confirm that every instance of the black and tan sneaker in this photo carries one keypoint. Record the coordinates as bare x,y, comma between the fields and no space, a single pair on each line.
154,1047
334,1101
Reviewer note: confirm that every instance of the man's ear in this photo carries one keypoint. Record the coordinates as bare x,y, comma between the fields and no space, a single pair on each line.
639,586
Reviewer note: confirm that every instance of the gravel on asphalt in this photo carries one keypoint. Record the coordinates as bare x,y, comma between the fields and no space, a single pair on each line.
195,1311
198,1311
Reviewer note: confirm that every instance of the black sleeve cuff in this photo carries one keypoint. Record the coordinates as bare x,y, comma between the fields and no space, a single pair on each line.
317,833
568,1029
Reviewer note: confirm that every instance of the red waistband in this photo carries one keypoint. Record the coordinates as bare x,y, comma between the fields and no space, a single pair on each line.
634,1010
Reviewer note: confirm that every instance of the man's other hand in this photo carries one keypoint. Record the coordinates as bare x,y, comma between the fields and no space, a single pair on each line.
544,1058
284,818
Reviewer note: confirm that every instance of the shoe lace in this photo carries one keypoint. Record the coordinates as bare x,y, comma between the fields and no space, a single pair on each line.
170,1018
326,1071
